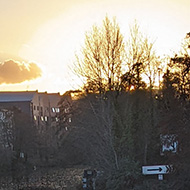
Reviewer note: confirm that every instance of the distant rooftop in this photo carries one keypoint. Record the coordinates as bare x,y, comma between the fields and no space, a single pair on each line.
25,96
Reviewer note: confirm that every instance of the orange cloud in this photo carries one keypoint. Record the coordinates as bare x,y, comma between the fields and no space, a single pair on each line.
12,72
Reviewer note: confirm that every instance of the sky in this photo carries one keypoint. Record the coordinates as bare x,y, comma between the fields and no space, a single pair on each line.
39,38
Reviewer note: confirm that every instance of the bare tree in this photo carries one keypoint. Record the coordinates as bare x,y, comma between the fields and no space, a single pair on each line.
93,129
102,57
142,61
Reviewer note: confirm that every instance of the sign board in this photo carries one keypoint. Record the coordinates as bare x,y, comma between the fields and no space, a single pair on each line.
169,143
157,169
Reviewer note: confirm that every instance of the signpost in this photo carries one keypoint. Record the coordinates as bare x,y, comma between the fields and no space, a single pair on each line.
157,169
169,144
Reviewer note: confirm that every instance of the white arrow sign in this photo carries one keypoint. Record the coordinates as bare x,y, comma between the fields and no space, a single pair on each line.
158,169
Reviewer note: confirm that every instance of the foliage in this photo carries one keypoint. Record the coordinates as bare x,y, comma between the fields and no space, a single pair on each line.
179,67
125,177
118,129
5,161
174,118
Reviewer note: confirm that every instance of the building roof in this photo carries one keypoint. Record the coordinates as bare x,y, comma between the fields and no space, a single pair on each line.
26,96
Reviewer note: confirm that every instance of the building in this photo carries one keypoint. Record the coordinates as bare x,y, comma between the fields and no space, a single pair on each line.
42,108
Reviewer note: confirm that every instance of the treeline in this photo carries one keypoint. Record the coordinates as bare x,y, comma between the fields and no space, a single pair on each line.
119,133
120,115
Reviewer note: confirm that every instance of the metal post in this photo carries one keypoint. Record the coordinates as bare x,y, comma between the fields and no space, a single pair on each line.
160,177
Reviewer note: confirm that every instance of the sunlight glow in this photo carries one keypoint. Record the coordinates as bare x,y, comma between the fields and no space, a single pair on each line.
55,43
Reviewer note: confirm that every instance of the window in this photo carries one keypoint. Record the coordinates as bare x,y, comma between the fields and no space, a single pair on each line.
38,108
46,118
34,107
35,118
21,155
57,110
69,120
42,118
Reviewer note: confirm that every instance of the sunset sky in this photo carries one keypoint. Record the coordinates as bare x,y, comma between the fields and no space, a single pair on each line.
39,38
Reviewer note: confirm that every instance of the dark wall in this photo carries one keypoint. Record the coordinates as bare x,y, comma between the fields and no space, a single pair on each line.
22,106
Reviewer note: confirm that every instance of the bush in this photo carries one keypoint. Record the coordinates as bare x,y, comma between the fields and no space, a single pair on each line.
5,161
122,179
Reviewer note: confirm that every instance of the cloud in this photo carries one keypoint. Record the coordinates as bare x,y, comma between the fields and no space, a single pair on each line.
12,72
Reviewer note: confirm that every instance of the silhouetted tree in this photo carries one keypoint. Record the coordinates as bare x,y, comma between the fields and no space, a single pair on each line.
114,131
102,57
141,60
179,66
174,114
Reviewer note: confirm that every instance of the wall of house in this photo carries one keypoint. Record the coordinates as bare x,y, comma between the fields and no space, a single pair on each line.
45,109
41,107
22,106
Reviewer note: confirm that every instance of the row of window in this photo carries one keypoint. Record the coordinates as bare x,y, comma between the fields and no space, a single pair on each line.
39,108
55,110
69,119
45,118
